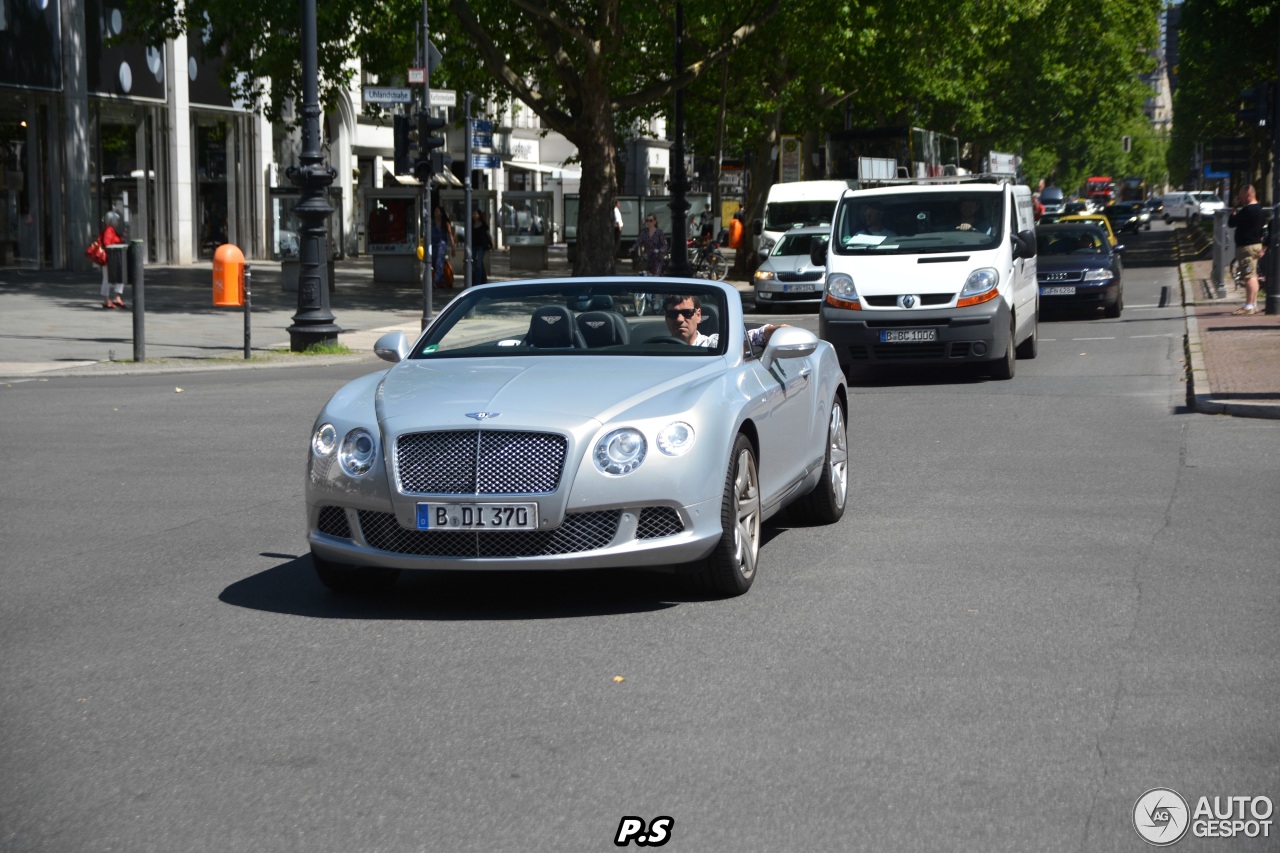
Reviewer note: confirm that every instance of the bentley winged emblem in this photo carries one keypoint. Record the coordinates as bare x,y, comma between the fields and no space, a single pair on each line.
483,416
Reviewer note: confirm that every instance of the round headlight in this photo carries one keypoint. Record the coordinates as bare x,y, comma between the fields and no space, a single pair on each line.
620,452
358,452
325,441
675,439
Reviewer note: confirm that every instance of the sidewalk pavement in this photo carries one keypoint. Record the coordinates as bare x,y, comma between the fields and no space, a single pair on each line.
1233,363
52,324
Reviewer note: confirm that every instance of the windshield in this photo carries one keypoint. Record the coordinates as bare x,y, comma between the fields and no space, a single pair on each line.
1207,197
794,244
782,215
579,318
923,222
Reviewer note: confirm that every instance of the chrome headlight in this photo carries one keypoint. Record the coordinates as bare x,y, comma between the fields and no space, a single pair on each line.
980,281
325,441
841,286
675,439
1097,275
359,449
620,452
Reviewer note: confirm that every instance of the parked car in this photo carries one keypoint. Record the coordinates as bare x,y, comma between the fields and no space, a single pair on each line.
1127,216
788,275
1190,207
1098,219
1079,267
535,425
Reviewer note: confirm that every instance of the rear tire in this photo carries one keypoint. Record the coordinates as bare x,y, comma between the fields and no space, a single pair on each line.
825,504
353,580
730,568
1116,308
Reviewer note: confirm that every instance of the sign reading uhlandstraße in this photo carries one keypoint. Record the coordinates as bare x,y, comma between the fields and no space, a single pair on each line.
387,95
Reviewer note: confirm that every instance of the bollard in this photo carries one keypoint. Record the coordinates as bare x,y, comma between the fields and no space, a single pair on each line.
118,264
248,278
137,261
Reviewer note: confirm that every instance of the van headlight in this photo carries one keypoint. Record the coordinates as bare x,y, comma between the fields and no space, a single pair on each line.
979,287
841,293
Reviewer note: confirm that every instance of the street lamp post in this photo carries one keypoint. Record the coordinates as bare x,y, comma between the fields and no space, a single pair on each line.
314,322
679,180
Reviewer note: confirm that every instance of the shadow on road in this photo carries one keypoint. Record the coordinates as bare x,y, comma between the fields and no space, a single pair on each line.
291,588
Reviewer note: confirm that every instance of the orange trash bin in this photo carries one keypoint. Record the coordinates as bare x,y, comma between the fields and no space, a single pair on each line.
228,276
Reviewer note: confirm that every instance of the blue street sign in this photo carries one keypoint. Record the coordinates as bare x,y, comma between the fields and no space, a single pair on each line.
486,161
1215,176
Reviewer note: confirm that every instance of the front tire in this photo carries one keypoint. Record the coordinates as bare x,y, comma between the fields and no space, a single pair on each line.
352,580
730,568
825,504
1028,348
1005,367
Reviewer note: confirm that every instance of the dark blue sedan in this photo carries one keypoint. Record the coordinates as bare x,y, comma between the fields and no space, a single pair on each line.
1078,267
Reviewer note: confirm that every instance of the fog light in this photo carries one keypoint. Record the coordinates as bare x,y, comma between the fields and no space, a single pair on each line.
978,348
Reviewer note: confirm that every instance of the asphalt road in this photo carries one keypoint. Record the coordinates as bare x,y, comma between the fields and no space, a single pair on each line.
1049,595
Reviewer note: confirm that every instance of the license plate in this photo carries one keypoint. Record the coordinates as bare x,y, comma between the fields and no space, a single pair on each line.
432,516
1058,290
907,336
797,288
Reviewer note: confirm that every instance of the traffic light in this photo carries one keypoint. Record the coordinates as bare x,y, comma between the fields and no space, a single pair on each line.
1126,144
1257,105
428,141
400,127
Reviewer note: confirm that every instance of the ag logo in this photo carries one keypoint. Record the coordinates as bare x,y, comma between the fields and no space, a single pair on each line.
1161,816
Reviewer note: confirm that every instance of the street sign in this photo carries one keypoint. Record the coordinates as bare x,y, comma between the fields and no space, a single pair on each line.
444,98
1229,153
486,161
1211,175
433,57
385,95
417,76
481,134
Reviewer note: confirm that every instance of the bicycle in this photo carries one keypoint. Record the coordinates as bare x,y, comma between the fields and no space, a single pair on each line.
708,262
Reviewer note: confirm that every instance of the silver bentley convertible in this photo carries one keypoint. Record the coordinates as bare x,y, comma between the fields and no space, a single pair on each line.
578,423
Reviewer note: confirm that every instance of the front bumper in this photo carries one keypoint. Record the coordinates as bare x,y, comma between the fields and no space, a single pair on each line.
653,536
1085,295
973,334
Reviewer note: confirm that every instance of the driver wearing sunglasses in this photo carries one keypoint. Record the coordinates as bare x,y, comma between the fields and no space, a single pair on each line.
683,313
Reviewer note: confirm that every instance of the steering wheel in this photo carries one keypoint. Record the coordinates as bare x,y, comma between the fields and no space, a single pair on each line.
667,339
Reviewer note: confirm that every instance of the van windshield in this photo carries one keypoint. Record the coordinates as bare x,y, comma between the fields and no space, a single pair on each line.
914,223
783,215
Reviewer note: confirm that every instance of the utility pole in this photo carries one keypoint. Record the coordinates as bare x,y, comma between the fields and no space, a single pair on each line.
679,182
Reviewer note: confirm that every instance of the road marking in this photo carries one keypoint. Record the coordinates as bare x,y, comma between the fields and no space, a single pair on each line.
1166,335
1112,338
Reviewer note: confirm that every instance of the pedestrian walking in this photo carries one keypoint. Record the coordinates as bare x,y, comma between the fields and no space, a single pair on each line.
1246,218
442,244
108,236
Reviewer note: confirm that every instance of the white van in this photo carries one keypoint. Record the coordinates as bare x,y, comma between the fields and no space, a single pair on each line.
797,203
932,274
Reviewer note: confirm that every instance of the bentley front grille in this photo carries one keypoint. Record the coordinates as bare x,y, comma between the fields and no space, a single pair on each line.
480,462
581,531
333,521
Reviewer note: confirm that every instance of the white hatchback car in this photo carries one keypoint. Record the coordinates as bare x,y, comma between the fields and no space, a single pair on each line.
788,275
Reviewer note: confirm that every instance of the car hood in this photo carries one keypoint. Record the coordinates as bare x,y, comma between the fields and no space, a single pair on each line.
792,263
1058,263
551,392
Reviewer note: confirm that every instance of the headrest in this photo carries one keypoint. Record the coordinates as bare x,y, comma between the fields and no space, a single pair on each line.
710,322
603,328
552,327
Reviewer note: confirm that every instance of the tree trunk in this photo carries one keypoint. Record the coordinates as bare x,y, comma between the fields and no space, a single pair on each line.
599,189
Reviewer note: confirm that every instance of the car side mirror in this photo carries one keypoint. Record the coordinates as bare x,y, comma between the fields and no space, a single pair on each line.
1119,248
788,342
392,347
1025,247
818,251
756,227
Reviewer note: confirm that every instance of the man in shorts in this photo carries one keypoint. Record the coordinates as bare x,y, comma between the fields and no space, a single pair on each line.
1247,220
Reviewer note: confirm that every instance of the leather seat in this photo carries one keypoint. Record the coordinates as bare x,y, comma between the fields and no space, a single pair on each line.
552,327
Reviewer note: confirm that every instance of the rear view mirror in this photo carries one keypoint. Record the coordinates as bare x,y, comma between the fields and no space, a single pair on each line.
1024,244
818,251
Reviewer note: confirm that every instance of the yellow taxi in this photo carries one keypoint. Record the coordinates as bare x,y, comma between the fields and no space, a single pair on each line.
1095,219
